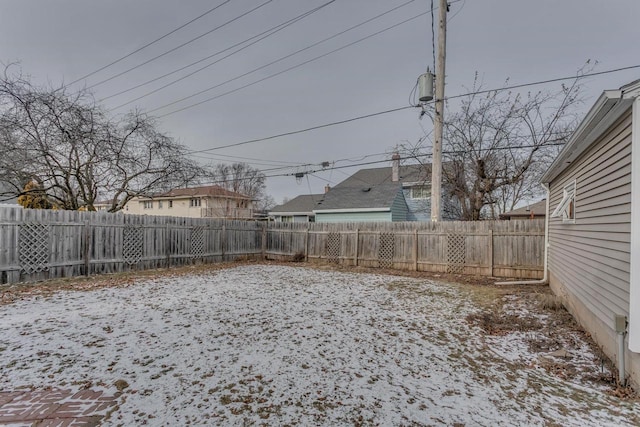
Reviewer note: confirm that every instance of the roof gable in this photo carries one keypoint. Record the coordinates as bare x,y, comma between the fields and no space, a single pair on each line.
609,107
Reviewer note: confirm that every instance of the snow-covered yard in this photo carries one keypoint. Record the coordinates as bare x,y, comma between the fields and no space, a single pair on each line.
283,345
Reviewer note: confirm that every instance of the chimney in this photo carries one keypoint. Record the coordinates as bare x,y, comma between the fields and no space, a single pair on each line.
395,167
326,189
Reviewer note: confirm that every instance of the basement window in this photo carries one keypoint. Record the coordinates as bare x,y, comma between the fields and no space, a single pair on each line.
567,207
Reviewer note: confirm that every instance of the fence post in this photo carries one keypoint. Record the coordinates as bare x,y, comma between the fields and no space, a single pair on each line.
167,243
415,249
306,244
490,252
264,241
355,261
87,234
223,240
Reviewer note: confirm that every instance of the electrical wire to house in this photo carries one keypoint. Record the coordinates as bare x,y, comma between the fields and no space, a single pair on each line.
300,173
393,110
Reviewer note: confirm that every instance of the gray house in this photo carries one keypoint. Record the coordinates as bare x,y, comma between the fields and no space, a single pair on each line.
594,224
299,209
396,193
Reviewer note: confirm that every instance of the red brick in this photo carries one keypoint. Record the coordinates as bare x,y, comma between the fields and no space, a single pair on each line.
69,410
87,395
71,422
26,411
99,406
8,396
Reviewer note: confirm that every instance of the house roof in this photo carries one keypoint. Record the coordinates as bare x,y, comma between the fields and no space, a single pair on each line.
609,107
365,189
537,209
304,204
377,176
363,196
210,190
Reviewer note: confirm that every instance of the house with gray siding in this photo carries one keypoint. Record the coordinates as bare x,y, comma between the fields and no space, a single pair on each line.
594,223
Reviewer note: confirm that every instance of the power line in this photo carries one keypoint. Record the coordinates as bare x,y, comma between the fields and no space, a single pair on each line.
271,31
409,106
200,92
374,162
150,43
181,45
559,79
302,130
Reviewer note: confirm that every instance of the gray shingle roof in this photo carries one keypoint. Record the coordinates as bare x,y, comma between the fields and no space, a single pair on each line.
365,189
301,204
376,176
360,196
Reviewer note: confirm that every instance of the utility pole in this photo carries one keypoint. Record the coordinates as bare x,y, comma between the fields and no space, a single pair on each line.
438,122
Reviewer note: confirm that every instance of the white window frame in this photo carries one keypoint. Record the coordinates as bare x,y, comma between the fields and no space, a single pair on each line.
195,202
159,204
567,206
147,204
423,189
170,204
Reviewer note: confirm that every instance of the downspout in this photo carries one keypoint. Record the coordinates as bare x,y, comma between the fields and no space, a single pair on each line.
545,278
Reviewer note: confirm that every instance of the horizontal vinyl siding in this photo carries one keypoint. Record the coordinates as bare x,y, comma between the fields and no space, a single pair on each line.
591,257
353,217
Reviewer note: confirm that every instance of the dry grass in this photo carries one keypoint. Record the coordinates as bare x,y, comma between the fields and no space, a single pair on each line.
550,302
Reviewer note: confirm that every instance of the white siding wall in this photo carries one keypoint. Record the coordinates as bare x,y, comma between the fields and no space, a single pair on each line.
589,260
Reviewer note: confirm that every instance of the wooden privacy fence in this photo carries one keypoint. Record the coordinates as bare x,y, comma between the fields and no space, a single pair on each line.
488,248
43,244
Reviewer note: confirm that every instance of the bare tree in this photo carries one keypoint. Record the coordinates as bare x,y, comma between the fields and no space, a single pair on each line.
241,178
67,144
498,144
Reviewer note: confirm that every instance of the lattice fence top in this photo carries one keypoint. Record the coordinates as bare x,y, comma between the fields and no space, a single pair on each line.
386,250
34,247
132,244
456,253
197,241
333,247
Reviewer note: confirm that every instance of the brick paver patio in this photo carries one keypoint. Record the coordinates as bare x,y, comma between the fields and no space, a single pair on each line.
54,408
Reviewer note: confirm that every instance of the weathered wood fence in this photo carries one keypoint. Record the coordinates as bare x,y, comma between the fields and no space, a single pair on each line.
43,244
488,248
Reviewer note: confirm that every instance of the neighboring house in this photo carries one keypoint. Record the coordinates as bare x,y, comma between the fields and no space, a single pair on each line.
299,209
197,202
594,226
103,205
396,193
533,211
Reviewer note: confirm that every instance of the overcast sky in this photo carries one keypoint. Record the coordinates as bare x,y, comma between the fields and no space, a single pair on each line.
60,41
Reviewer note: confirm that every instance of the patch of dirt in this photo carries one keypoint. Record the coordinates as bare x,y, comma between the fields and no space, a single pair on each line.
500,323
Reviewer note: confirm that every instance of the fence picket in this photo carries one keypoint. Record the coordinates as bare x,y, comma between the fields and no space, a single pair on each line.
82,243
